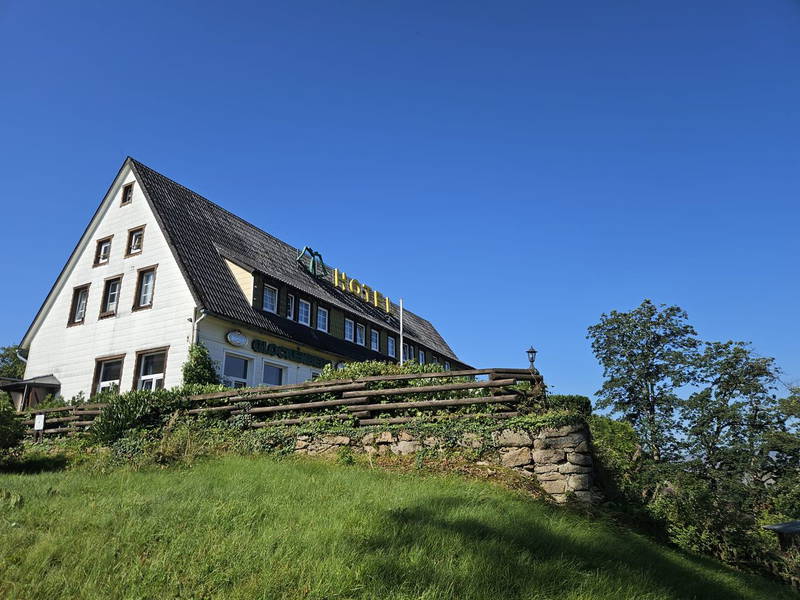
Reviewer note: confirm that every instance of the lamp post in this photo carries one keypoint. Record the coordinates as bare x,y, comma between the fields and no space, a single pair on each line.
532,359
537,382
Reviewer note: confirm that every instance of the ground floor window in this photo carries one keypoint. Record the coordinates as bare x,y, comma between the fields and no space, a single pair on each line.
273,375
361,334
422,357
108,374
390,349
235,371
150,370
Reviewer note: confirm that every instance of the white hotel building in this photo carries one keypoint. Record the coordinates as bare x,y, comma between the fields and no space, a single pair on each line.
159,266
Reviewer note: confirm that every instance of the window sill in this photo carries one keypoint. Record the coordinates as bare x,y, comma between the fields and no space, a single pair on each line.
76,323
100,264
107,315
129,254
137,308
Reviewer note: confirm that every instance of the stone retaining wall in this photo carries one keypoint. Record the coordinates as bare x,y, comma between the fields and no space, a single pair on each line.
560,459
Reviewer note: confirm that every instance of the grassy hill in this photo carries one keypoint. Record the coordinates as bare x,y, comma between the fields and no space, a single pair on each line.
259,528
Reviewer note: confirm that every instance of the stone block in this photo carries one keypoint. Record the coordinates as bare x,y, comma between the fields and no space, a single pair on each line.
405,447
579,459
368,439
579,482
553,476
570,468
509,437
567,441
335,440
385,437
546,468
515,457
370,449
583,447
554,487
300,444
404,436
548,456
432,442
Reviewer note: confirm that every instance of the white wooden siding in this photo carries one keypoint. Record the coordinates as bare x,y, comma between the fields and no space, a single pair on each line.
69,353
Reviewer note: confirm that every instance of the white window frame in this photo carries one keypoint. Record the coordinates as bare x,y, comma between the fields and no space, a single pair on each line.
447,365
137,233
274,309
391,348
153,377
406,351
421,356
290,306
108,308
300,306
107,385
322,311
79,305
101,260
281,368
361,334
352,336
237,382
142,288
375,340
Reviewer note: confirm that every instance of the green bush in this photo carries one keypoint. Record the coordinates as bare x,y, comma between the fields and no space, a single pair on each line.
199,369
579,404
141,409
11,428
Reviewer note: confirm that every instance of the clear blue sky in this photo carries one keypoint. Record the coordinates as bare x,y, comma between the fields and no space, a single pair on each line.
512,170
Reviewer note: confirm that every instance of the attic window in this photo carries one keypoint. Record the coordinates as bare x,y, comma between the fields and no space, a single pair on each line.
135,241
103,251
127,194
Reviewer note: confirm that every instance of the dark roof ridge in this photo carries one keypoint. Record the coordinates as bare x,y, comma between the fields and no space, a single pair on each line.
183,212
220,207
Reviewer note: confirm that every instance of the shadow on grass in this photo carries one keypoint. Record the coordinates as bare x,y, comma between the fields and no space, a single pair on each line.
518,556
31,465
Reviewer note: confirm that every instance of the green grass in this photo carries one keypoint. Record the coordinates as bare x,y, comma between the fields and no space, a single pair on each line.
259,528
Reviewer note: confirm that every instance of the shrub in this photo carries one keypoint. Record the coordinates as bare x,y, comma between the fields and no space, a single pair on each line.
11,428
572,403
140,409
199,369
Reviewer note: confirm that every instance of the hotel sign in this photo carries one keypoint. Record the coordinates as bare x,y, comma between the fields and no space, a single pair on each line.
270,349
358,289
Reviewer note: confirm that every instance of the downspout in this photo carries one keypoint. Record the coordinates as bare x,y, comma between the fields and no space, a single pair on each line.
22,358
195,323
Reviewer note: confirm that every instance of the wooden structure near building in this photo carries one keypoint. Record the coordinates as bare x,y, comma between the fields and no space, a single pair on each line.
365,401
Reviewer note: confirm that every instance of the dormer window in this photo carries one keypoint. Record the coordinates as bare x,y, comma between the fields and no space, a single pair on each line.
135,241
270,299
103,251
127,194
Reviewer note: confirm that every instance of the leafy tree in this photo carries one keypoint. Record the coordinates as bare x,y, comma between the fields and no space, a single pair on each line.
647,354
199,368
12,367
10,364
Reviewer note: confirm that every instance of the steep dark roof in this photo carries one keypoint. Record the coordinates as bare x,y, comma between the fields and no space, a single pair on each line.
203,234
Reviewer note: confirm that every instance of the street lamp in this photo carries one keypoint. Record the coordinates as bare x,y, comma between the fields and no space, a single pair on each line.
531,356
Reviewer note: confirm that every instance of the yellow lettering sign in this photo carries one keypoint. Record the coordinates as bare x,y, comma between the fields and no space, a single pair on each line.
366,293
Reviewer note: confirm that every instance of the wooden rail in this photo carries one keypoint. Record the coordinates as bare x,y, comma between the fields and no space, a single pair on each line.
358,401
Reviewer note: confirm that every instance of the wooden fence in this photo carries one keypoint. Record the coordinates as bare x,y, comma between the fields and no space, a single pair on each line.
364,401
